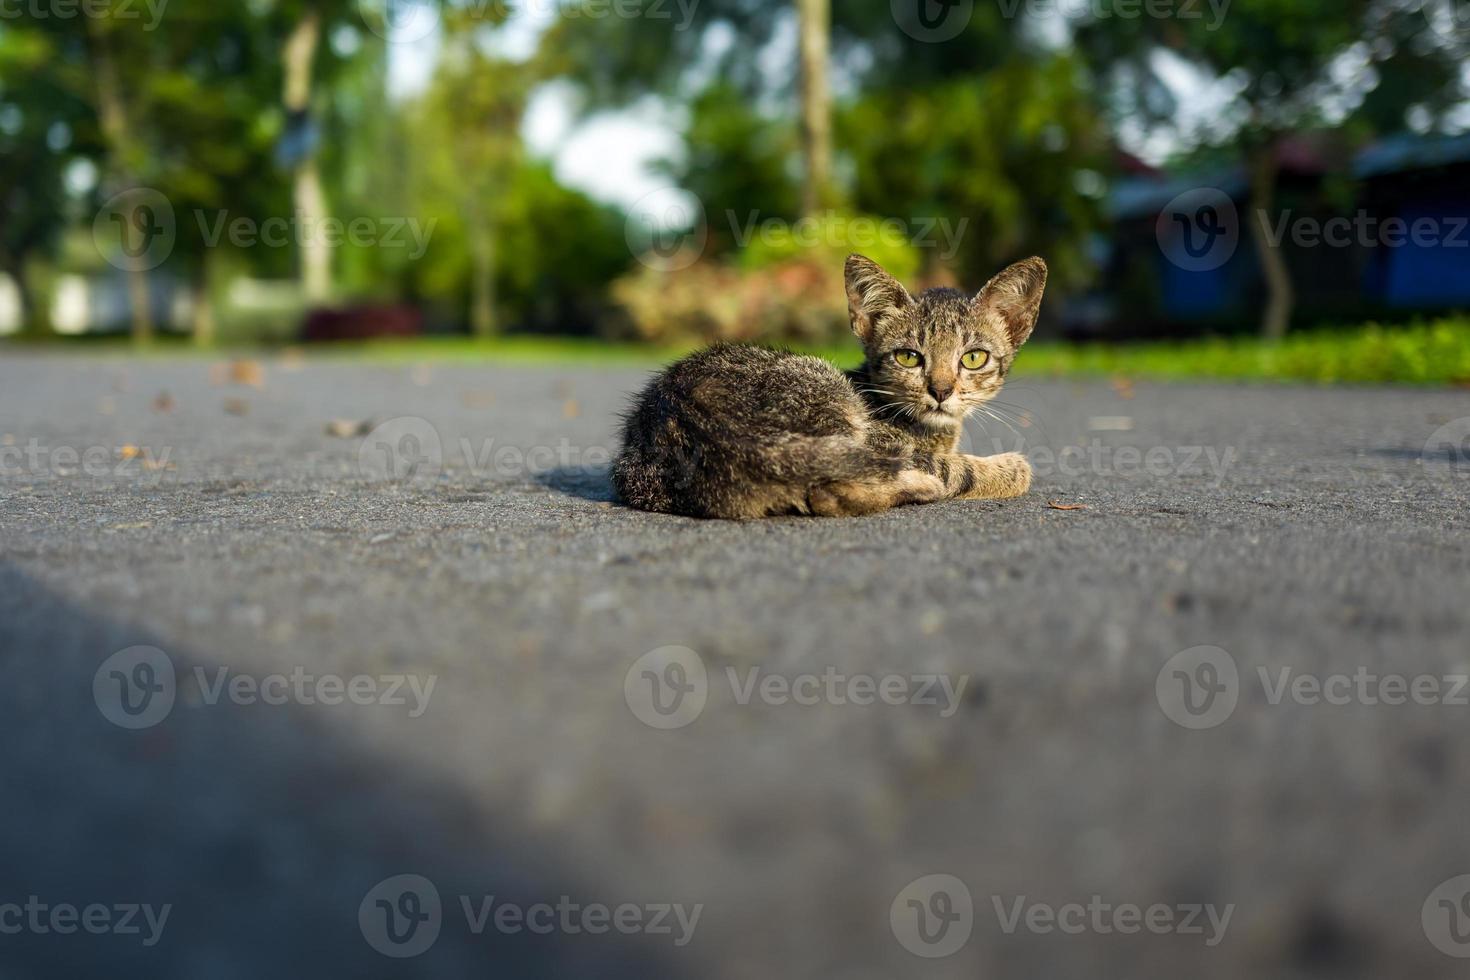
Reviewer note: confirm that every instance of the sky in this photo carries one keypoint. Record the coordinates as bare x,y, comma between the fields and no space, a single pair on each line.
607,156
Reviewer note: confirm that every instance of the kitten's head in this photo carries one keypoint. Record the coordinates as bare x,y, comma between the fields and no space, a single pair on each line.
943,353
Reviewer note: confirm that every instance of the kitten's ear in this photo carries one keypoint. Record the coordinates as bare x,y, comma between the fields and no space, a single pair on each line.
871,293
1015,294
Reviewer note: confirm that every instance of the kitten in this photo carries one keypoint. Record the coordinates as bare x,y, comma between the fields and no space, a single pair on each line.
743,432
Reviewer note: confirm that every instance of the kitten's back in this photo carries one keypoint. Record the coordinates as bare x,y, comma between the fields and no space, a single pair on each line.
738,431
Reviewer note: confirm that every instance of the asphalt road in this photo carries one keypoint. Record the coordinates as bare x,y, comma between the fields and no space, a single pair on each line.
1005,694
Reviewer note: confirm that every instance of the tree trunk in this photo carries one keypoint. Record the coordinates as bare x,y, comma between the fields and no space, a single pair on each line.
482,276
1280,293
15,268
816,103
204,323
118,131
310,200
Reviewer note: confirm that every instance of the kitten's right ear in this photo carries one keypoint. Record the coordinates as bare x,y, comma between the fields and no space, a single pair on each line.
871,294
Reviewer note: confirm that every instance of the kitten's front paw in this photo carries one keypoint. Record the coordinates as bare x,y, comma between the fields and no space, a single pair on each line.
1011,474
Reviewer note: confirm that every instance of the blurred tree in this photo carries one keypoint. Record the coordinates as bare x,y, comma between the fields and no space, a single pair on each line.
815,19
181,110
475,105
44,128
737,162
978,123
1293,64
128,155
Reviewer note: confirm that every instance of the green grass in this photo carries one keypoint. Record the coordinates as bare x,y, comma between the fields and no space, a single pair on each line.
1434,353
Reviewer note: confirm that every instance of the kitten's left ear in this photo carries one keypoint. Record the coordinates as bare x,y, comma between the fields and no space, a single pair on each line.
1015,294
871,295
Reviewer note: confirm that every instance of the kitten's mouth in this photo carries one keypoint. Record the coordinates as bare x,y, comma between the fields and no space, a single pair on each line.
942,417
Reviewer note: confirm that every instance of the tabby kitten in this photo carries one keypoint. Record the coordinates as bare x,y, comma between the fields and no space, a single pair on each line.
742,432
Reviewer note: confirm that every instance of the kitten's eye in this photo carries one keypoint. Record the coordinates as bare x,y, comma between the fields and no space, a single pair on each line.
908,358
975,360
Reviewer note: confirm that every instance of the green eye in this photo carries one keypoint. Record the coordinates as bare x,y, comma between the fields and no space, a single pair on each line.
975,360
908,358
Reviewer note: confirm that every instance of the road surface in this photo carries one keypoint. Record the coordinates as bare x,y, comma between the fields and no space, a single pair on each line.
352,670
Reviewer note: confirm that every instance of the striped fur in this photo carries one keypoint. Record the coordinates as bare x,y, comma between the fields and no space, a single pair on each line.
743,432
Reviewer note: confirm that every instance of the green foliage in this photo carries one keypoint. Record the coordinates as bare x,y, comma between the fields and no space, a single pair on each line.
1435,353
738,162
828,239
1284,55
1003,150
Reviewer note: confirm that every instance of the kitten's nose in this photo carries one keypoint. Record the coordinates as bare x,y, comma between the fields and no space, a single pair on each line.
940,392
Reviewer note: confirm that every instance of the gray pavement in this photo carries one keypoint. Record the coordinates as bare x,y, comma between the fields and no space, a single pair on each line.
1093,784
